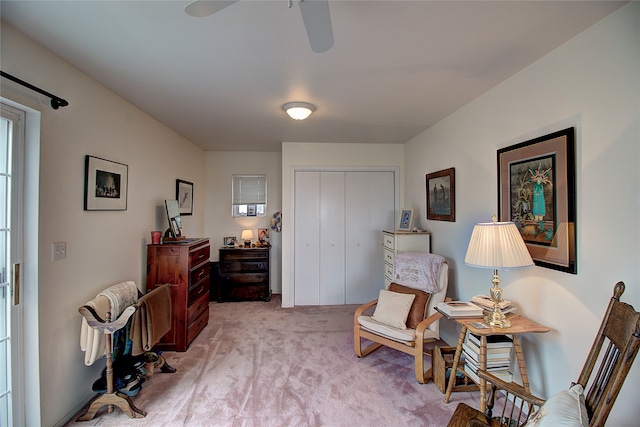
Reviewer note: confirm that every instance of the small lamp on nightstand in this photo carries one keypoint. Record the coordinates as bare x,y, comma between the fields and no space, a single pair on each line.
497,245
247,235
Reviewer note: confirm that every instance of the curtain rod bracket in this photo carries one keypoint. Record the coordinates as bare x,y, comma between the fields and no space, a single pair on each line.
56,101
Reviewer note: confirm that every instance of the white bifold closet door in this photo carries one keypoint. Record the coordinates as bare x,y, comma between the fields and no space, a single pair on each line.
338,248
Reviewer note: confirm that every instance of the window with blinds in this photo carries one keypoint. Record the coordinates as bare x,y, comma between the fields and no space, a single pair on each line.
249,195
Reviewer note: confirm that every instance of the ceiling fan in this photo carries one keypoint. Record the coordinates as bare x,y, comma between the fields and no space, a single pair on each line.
315,15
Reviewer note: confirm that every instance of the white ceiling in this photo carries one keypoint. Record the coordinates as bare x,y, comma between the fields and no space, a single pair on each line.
396,68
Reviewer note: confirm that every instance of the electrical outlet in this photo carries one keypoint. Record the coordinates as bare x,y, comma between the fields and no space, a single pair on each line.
58,250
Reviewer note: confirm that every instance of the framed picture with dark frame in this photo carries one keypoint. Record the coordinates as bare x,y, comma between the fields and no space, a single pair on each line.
105,185
184,196
536,191
441,195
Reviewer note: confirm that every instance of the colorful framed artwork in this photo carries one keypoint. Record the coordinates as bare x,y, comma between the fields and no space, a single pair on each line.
105,185
406,219
441,195
536,191
184,196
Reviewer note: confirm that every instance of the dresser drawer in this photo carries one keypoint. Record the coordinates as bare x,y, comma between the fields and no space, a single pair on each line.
230,267
197,325
389,256
389,241
199,254
197,291
388,271
235,279
197,308
243,255
199,273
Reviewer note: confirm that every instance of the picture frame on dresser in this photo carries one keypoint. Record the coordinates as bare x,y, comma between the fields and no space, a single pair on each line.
441,195
406,219
536,191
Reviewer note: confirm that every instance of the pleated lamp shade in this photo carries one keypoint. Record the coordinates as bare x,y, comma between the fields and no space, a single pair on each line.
497,245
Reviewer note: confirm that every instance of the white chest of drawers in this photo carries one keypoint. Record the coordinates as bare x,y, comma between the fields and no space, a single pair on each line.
398,241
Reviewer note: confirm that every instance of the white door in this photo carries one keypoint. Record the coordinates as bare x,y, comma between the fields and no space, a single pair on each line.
370,209
332,229
11,148
338,217
307,235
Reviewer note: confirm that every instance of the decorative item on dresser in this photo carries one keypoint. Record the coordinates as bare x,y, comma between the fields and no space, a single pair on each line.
399,241
244,274
184,264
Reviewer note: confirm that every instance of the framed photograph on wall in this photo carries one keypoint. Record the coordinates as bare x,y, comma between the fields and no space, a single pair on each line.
441,195
251,210
406,219
184,196
105,185
536,191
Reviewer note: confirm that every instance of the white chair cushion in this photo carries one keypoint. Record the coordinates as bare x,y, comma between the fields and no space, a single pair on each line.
393,308
396,334
566,408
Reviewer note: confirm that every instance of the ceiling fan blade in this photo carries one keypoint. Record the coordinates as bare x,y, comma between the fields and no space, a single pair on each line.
202,8
317,21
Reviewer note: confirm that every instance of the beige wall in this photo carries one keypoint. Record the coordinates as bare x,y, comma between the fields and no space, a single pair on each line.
103,248
592,83
220,166
322,155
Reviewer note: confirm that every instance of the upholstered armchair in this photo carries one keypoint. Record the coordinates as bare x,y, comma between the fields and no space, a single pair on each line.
421,324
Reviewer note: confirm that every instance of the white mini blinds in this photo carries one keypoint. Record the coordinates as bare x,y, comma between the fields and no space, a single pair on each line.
249,195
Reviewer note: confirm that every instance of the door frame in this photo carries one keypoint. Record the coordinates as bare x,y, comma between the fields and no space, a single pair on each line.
28,336
288,295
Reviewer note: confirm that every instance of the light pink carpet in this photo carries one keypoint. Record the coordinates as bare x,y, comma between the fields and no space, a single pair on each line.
257,364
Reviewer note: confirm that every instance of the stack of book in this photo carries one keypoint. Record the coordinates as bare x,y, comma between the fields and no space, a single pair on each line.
460,309
487,305
498,356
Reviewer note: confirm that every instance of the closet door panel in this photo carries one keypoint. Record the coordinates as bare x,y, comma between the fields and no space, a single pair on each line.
358,228
332,238
370,208
306,238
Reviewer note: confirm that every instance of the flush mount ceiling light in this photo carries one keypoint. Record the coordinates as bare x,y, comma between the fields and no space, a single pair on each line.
299,110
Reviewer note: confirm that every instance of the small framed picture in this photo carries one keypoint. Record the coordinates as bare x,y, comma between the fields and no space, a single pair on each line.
251,210
406,219
229,241
441,195
105,185
263,235
184,196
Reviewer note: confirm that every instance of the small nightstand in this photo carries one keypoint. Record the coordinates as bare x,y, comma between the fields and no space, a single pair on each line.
244,274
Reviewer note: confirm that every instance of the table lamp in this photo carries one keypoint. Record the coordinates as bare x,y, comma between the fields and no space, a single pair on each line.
247,235
497,245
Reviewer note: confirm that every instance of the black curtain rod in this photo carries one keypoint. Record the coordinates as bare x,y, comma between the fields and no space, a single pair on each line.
56,101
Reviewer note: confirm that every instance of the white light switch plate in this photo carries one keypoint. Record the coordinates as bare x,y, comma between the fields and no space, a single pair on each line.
58,250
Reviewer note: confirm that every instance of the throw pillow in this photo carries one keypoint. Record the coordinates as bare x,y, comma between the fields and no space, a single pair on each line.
566,408
392,308
419,306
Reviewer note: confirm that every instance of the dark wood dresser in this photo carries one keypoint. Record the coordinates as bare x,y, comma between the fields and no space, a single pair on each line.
184,264
244,274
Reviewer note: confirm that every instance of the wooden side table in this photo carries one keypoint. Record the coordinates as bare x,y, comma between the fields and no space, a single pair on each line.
519,325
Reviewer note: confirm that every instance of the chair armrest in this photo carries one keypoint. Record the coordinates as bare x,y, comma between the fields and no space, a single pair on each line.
512,388
361,309
426,322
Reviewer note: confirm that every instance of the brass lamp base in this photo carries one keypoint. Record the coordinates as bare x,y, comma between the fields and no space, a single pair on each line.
496,318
